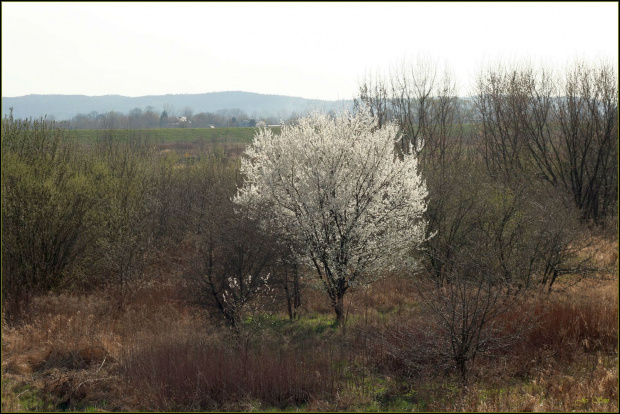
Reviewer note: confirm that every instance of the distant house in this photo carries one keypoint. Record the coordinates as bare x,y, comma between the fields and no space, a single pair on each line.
175,122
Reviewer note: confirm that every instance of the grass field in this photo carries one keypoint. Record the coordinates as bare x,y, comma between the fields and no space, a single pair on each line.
172,135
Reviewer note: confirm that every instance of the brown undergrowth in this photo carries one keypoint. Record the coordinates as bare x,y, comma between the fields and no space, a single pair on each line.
159,354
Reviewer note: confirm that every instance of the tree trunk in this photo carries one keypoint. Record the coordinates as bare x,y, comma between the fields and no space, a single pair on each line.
293,298
338,304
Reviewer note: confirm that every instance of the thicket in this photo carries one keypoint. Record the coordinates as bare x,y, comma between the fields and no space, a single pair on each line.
513,196
77,216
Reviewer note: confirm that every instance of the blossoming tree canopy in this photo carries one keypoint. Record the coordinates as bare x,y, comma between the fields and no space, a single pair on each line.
339,188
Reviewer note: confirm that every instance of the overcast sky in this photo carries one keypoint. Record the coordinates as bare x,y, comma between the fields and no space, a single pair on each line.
311,50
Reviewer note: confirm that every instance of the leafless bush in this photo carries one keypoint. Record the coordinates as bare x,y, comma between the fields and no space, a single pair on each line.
232,265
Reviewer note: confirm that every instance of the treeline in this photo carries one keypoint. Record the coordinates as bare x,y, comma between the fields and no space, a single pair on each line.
557,130
148,118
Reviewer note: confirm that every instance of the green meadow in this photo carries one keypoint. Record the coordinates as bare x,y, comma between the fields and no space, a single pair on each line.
171,135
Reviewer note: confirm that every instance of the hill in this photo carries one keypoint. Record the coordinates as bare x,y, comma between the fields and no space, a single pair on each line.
63,107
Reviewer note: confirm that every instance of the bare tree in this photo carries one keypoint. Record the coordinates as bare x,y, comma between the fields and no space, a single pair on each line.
374,96
235,271
412,86
187,112
495,245
564,133
467,313
424,104
588,119
286,269
135,119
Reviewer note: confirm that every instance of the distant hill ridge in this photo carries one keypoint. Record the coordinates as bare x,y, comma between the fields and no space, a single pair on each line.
64,107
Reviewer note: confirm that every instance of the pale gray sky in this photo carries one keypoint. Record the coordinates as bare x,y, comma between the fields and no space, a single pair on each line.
311,50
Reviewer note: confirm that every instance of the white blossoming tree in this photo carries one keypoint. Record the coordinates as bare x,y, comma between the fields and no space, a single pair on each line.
337,187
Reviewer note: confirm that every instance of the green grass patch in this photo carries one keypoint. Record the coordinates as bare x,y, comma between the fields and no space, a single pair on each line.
22,398
170,135
311,325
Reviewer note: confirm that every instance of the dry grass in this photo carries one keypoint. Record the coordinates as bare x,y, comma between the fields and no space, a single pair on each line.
593,389
585,318
567,361
71,347
82,352
176,373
